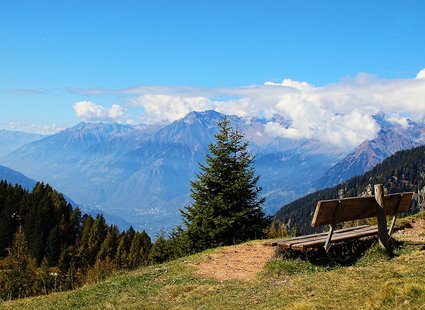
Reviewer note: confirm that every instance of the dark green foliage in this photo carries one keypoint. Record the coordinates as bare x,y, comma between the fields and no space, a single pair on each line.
161,250
98,233
226,208
123,249
55,247
402,172
140,246
19,276
83,250
110,244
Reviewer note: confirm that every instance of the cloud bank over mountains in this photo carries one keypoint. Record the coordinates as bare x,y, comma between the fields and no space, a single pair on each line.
338,113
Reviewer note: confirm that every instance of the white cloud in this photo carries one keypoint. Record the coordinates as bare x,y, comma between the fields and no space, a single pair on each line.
396,119
159,108
421,74
276,130
90,111
338,113
169,108
45,129
291,83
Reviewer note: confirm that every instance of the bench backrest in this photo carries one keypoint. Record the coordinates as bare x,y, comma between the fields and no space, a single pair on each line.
350,209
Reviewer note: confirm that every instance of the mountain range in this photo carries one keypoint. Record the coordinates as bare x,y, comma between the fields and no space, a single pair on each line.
142,173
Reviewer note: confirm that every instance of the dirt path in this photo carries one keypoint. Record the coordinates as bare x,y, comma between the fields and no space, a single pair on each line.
242,262
415,232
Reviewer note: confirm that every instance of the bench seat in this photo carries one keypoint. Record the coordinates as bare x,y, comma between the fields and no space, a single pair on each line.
318,240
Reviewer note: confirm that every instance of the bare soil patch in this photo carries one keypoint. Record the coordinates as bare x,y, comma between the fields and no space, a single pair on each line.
241,262
415,232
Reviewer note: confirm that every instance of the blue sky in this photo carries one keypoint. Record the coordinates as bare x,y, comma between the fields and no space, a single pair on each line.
131,61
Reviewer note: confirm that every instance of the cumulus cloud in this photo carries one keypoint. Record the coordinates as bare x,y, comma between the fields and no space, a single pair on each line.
90,111
338,113
159,108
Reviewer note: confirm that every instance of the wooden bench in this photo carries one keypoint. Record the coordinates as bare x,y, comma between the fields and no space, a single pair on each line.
332,212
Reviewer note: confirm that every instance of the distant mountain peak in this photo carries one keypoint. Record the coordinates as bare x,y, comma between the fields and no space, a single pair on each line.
201,116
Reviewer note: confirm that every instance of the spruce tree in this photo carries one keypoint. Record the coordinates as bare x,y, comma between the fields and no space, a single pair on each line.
226,206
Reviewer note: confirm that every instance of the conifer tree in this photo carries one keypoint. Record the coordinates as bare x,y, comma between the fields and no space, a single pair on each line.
123,249
98,234
134,256
226,206
110,244
161,249
20,270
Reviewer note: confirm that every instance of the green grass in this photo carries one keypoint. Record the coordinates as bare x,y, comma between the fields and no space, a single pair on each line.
374,282
381,284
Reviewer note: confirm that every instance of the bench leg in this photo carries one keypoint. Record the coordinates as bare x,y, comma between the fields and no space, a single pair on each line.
390,230
328,240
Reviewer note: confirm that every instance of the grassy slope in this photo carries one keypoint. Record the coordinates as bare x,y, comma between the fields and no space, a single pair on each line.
373,283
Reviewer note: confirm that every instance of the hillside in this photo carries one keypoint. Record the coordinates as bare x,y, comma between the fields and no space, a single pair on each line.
402,172
207,280
15,177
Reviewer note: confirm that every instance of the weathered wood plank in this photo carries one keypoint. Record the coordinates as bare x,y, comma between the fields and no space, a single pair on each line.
320,239
373,231
304,246
321,234
357,208
308,237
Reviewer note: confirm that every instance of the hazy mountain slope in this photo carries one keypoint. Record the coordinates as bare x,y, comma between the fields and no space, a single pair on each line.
11,140
75,160
15,177
286,174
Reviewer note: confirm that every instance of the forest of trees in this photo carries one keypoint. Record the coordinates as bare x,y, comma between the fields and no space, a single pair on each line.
46,245
402,172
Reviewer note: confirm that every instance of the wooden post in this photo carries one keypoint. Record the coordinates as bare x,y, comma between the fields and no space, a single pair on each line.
384,238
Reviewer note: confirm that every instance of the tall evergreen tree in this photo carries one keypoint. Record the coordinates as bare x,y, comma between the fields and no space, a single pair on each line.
123,249
226,205
110,244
